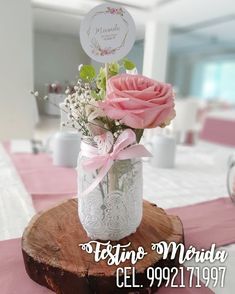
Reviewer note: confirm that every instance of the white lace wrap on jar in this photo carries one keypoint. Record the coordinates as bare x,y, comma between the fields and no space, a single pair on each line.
113,210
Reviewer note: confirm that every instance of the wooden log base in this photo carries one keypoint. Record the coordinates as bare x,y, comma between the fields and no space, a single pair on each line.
54,259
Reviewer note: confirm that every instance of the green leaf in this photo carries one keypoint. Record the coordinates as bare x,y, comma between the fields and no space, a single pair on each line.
101,79
87,72
113,69
139,134
128,65
95,95
98,96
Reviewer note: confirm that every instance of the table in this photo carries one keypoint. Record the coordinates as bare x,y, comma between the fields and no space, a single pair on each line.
204,163
16,207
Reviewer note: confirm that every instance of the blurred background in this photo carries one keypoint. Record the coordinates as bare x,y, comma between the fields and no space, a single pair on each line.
188,43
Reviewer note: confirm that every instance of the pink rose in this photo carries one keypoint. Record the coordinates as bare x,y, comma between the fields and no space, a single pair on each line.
139,102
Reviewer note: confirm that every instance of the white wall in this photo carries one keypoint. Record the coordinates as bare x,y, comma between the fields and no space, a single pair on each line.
17,107
56,58
156,49
180,73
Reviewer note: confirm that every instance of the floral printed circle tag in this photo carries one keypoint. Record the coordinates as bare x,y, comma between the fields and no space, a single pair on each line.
107,33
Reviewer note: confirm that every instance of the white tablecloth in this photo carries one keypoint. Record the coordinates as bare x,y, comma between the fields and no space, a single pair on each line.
199,175
16,206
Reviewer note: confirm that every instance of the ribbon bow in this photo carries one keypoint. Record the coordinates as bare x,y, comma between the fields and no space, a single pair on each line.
124,148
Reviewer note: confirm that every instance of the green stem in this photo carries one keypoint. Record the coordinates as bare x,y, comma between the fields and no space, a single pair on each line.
139,133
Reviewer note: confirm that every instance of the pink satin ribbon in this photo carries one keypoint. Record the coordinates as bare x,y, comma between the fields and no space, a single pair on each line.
124,148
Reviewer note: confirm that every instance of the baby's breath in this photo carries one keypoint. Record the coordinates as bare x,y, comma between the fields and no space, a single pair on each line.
82,102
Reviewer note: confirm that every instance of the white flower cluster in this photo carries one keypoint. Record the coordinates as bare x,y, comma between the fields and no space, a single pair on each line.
84,113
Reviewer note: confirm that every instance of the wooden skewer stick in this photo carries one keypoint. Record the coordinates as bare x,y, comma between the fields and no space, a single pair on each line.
107,72
112,177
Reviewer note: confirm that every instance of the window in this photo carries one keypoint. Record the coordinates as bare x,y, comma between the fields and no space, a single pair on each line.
215,80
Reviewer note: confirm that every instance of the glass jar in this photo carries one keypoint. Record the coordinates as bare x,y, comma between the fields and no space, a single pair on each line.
231,178
113,210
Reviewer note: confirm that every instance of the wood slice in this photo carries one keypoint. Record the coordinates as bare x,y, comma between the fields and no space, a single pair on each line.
53,257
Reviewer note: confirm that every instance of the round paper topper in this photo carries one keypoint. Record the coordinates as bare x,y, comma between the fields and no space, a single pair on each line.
107,33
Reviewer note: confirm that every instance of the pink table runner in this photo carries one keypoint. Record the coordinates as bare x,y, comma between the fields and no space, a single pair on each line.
208,222
13,278
46,183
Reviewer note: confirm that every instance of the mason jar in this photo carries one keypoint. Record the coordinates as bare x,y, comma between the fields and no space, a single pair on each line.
231,178
113,209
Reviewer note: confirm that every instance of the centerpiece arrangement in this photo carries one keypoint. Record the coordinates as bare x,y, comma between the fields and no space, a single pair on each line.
111,109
